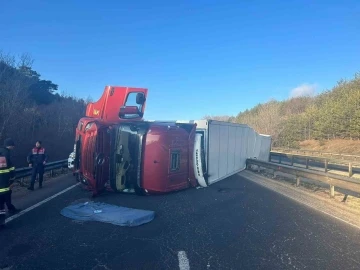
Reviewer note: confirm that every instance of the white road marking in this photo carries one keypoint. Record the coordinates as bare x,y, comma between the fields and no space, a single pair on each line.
39,203
183,261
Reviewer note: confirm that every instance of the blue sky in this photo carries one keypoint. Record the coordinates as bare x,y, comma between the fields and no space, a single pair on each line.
196,58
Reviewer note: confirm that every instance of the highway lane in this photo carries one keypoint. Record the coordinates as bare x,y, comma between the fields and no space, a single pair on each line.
233,224
23,198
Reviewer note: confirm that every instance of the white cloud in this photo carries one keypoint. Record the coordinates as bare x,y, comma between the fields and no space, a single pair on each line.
304,90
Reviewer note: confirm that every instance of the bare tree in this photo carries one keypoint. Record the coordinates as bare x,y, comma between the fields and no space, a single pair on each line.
13,98
25,60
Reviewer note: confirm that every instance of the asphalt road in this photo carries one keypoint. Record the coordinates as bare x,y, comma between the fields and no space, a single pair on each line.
234,224
23,198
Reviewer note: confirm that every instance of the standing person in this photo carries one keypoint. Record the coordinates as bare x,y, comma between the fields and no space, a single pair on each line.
37,160
7,173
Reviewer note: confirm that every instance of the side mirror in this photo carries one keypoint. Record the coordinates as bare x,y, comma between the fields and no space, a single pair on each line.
140,98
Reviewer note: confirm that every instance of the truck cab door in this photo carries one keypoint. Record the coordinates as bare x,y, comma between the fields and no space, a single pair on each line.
178,168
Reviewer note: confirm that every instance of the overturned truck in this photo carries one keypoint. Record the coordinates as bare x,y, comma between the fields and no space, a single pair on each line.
116,150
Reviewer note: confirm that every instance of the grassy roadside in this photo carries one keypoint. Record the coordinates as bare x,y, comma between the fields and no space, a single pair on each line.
350,147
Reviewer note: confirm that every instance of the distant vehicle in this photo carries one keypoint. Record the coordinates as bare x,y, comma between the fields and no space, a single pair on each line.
115,149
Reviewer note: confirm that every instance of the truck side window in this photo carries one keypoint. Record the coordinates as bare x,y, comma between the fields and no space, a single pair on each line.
131,100
175,160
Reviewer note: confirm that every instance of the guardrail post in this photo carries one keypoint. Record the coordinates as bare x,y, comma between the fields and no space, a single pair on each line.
292,160
307,163
350,170
279,159
297,181
332,191
326,165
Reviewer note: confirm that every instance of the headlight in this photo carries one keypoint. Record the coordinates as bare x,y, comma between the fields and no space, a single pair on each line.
88,126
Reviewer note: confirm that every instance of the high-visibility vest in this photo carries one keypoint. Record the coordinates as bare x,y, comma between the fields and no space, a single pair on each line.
5,171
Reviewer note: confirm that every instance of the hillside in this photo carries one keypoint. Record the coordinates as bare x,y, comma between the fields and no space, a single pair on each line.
337,146
31,110
332,115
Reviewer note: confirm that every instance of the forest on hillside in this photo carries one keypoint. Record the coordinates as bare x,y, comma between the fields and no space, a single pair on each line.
332,114
31,109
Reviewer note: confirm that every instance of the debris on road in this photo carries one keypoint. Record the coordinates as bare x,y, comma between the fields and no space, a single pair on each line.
117,215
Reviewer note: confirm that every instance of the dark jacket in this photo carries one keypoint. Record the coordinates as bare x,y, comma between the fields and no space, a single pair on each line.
37,156
7,169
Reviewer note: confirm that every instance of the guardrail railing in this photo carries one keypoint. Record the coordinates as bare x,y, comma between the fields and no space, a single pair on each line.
319,162
333,180
25,172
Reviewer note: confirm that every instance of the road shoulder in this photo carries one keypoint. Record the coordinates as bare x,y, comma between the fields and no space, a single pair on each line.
22,198
327,206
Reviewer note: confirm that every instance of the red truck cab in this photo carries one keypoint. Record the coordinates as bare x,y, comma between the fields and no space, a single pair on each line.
91,152
152,157
167,158
118,151
119,104
92,141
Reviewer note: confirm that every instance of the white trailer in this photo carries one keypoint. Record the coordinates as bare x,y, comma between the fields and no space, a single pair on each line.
221,149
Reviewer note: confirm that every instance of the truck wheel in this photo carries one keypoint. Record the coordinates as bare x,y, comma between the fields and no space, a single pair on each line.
139,191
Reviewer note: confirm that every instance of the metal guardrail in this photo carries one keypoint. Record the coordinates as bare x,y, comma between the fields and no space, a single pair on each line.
25,172
333,180
320,162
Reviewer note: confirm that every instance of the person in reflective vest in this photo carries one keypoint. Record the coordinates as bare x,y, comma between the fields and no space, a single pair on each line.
8,201
7,174
37,160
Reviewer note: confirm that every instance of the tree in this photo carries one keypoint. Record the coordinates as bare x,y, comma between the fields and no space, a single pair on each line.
42,91
332,114
31,109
